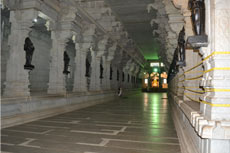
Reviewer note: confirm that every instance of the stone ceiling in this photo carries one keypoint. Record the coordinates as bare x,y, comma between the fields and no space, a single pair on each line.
136,20
154,25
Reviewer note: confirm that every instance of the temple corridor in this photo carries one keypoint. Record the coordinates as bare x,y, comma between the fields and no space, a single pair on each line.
135,123
65,63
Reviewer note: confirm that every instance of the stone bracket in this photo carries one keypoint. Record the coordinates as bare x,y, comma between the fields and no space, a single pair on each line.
197,41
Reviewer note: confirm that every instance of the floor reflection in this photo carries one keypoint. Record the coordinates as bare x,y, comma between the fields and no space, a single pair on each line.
156,104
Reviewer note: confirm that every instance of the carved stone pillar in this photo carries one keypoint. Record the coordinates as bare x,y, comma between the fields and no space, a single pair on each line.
80,80
84,49
17,81
215,105
110,83
98,80
132,71
106,68
57,83
114,80
136,73
107,75
95,65
188,56
100,57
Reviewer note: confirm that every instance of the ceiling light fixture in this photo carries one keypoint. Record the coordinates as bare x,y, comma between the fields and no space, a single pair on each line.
35,20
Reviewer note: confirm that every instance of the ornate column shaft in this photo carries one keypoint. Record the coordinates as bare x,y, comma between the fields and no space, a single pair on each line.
114,80
57,83
95,65
191,60
106,68
80,80
98,80
107,75
111,53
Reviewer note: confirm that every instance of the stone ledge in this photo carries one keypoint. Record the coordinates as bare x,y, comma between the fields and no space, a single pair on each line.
184,139
204,128
40,95
18,111
32,116
22,111
43,95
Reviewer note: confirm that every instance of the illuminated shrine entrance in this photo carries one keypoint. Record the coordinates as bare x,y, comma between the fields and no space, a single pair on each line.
155,79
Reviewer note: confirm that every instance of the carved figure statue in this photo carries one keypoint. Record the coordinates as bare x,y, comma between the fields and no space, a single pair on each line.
87,63
181,48
66,63
111,73
118,75
123,76
101,71
173,70
198,16
29,49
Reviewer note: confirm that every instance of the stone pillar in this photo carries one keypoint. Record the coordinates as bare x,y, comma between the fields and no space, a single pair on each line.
104,79
181,80
17,80
136,73
98,80
77,75
102,48
114,80
129,79
57,83
107,75
215,105
94,68
80,80
118,82
111,53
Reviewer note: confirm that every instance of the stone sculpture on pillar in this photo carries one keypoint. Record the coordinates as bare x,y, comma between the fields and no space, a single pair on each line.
101,71
123,76
181,48
87,63
197,8
66,63
111,73
29,49
173,70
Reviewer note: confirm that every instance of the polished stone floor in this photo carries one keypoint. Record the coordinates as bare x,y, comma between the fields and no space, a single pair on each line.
139,123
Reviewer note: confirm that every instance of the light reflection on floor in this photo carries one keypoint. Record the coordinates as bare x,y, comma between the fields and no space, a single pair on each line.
157,104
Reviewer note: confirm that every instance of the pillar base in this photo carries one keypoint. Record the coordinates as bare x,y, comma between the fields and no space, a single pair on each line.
17,89
56,89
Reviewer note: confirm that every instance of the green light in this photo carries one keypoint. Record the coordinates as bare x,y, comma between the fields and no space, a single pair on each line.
155,70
